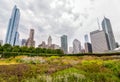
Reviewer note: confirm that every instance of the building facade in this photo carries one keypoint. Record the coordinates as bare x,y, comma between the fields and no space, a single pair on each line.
30,41
23,42
86,38
70,50
76,46
99,41
107,28
12,36
49,41
88,47
64,44
42,45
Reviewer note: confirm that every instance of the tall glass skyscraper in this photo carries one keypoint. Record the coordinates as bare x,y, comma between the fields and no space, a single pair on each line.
12,36
64,44
107,28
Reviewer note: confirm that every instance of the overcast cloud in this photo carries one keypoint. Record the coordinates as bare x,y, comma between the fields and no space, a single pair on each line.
74,18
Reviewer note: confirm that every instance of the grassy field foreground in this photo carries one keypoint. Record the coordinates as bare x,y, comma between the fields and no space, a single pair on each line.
60,69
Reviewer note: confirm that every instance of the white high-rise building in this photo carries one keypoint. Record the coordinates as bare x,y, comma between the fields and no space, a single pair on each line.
99,41
76,46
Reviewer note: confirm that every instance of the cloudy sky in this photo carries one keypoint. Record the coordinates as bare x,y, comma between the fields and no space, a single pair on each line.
74,18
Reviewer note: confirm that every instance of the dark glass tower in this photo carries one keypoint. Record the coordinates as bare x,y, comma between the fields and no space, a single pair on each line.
107,28
12,36
64,44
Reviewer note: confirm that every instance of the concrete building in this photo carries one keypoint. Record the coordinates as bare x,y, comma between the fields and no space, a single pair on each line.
12,36
30,41
54,46
76,46
23,42
99,41
107,28
64,44
43,45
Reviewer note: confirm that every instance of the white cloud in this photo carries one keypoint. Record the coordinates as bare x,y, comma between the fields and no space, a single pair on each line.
57,17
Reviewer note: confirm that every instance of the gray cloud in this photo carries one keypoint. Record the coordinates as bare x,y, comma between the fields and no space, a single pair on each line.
57,17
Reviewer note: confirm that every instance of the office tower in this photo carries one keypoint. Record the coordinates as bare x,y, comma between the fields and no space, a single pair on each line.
30,41
88,47
76,46
23,43
12,35
64,44
1,42
86,38
87,44
107,28
99,41
49,41
70,50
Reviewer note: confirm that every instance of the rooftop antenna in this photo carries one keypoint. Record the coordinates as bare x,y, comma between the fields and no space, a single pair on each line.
98,23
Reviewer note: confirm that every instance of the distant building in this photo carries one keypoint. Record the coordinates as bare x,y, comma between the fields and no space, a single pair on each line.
54,46
49,41
43,45
23,42
1,42
76,46
70,50
64,44
88,47
86,38
82,50
99,41
30,41
107,28
12,36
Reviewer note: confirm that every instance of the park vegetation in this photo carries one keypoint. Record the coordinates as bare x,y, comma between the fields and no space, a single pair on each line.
22,64
60,69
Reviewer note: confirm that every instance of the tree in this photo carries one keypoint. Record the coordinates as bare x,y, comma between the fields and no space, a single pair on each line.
7,48
16,49
1,48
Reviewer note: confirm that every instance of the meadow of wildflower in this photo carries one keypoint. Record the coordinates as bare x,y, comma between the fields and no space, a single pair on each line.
60,69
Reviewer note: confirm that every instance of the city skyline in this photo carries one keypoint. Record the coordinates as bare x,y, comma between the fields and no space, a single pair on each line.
75,18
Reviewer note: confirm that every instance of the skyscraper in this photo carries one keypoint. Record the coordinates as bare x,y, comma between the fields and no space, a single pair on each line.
88,46
76,46
99,41
107,28
49,41
30,41
12,36
86,38
23,43
64,44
